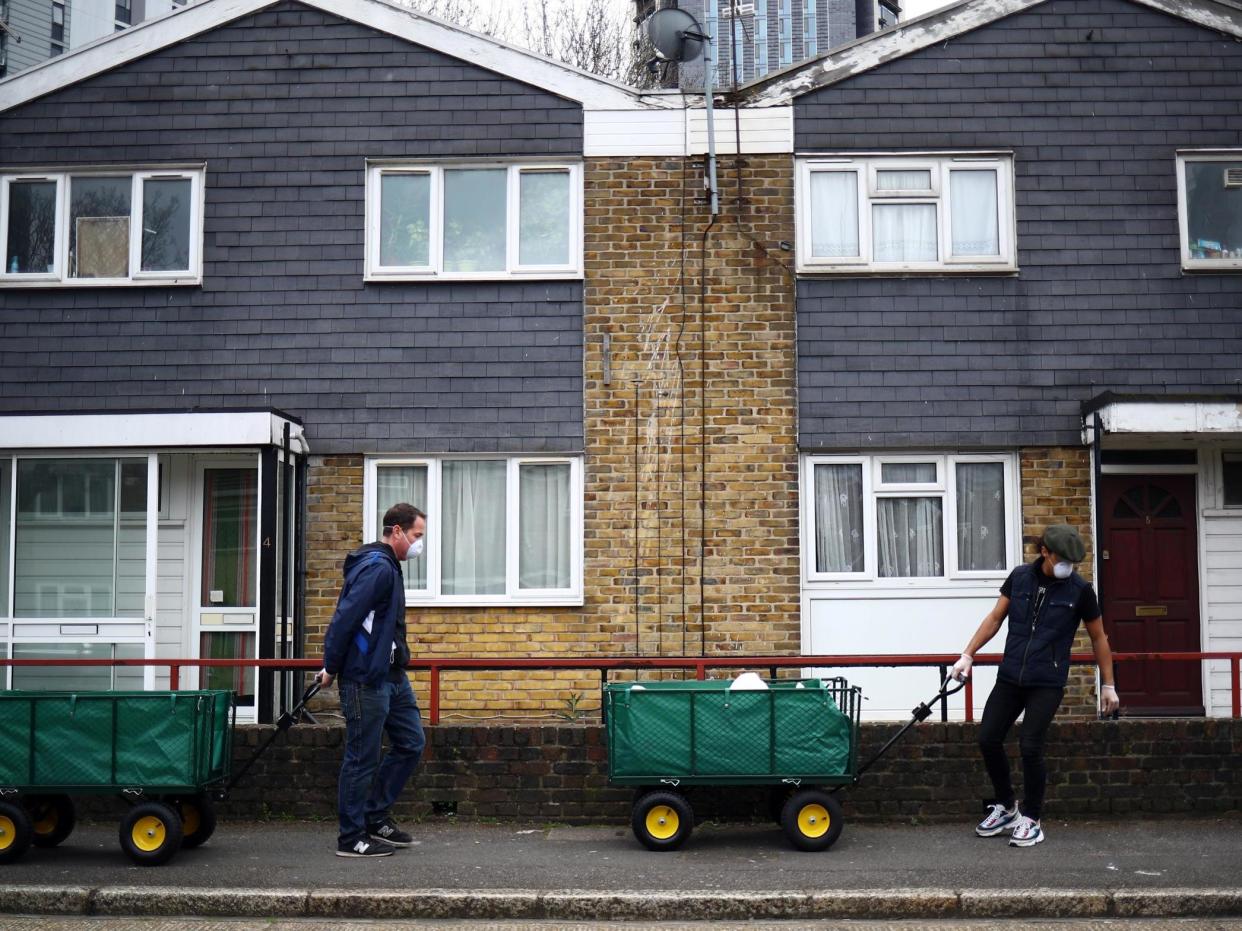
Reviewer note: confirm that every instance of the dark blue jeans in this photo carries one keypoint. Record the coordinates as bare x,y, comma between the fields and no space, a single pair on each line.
369,785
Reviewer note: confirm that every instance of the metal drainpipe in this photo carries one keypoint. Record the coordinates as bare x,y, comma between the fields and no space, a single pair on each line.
1097,455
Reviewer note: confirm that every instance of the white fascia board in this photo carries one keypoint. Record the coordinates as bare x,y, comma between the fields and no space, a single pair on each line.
865,53
591,91
148,431
943,25
1198,417
684,132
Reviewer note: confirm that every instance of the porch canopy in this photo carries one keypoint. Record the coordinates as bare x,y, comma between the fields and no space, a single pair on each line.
1177,419
152,534
216,429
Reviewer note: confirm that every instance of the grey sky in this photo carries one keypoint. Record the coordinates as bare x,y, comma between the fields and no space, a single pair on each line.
913,8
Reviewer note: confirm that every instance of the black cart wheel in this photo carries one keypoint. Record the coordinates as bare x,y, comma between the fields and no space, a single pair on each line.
198,818
662,820
151,833
15,831
52,817
812,819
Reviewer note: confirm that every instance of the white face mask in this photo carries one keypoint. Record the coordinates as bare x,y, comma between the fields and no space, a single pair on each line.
1063,570
415,550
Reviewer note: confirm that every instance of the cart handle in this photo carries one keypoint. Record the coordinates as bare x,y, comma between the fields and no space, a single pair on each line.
921,713
283,723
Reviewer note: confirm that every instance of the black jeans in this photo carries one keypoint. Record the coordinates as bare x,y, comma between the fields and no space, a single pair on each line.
1003,707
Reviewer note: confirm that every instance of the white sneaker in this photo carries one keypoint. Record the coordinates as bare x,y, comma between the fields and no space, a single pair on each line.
1026,833
999,819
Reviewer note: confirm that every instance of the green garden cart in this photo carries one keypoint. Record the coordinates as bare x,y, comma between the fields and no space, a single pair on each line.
799,737
168,754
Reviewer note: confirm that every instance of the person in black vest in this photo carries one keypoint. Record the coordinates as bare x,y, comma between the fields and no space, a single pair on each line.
365,647
1045,601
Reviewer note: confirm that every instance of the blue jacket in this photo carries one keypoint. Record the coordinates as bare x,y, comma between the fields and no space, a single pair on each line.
373,583
1037,649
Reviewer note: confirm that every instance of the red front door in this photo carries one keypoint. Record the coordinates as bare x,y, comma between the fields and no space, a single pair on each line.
1150,582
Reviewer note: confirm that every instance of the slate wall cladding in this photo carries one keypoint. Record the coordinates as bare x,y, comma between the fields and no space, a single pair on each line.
284,106
1093,97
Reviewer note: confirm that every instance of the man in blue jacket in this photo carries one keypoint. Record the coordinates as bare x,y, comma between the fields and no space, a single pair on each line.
1045,601
365,648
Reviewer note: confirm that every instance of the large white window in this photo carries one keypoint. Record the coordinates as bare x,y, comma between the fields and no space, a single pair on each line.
1209,207
474,221
75,564
101,227
883,213
909,517
499,529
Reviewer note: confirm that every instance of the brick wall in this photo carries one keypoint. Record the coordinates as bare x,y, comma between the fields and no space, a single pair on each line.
649,338
644,514
1056,489
552,773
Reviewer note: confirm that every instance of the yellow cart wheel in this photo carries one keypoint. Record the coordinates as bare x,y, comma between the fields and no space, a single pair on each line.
15,831
198,818
52,817
151,833
812,819
662,820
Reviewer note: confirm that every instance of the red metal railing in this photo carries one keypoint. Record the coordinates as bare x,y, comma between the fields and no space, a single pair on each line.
700,665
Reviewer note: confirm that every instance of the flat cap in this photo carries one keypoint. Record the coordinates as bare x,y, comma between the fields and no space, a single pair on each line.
1064,540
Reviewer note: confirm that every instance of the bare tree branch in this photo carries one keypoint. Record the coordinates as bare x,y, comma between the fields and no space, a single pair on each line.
594,35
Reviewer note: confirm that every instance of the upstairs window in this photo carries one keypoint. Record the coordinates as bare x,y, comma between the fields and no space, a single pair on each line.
101,228
474,221
1209,201
936,213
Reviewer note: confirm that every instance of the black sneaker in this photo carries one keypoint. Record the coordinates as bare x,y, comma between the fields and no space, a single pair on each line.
387,832
365,847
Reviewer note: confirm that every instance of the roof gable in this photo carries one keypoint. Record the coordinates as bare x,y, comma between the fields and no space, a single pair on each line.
591,91
939,26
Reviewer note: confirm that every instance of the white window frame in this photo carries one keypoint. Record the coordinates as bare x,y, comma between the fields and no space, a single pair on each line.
513,269
514,594
1183,219
944,488
59,277
865,167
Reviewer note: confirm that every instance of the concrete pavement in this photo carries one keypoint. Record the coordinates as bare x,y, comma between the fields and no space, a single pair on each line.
78,923
1153,867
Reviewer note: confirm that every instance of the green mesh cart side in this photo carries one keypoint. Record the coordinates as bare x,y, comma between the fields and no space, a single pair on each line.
82,743
703,733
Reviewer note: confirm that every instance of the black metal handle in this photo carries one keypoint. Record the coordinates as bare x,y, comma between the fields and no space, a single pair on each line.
920,713
283,723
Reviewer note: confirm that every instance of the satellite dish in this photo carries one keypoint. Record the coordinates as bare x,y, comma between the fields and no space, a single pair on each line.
676,34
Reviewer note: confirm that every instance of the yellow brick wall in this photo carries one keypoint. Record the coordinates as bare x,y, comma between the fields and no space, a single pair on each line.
1056,489
647,508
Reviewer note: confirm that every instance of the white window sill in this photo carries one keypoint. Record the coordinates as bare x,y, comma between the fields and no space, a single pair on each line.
905,588
416,600
905,271
1229,267
482,276
16,284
